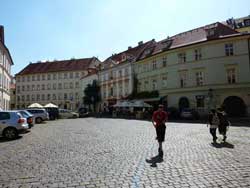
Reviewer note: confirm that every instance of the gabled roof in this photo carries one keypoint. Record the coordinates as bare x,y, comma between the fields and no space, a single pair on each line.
131,54
194,36
57,66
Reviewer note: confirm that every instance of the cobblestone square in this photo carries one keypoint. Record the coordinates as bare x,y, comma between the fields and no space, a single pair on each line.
112,153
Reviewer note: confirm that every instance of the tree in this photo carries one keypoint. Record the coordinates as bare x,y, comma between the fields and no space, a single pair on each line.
92,94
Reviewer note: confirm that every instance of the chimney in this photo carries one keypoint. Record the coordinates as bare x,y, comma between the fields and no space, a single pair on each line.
140,43
2,34
129,47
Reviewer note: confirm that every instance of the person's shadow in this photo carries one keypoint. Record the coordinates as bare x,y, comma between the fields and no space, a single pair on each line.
223,145
154,160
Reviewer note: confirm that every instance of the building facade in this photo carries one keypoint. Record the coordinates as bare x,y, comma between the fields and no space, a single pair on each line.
116,74
5,72
57,82
202,69
239,24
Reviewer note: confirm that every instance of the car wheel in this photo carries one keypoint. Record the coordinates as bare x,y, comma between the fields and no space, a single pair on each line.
39,120
10,133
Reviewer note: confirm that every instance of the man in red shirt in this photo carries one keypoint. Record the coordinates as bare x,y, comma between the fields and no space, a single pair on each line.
159,119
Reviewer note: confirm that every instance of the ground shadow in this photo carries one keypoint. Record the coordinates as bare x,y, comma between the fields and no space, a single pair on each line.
223,145
154,160
2,139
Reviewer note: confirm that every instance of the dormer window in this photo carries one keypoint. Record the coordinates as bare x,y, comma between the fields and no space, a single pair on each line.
124,57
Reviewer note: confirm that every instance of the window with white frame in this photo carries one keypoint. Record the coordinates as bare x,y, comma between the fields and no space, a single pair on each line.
182,57
43,77
48,96
28,97
33,88
38,77
231,75
38,87
229,49
54,96
183,78
23,79
33,97
66,85
154,65
77,75
54,76
60,86
164,81
71,75
54,85
71,85
48,86
38,97
33,78
197,54
77,84
154,84
164,61
43,97
28,78
23,88
43,87
28,87
199,75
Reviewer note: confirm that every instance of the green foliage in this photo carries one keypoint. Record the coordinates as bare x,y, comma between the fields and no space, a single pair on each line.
92,94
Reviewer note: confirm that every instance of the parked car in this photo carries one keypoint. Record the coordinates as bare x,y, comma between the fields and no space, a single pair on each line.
40,115
30,118
173,113
188,113
83,112
11,124
64,113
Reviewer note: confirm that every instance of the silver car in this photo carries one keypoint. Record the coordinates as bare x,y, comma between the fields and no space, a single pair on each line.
11,124
40,115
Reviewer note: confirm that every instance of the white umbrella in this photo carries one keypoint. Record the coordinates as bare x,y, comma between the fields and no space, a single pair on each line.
35,105
50,105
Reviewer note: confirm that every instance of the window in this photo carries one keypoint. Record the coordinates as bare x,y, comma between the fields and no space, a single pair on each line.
197,54
60,86
126,72
33,88
231,75
164,81
145,85
154,84
23,79
59,96
183,79
71,75
23,98
54,96
18,79
199,78
38,87
65,96
43,87
43,97
48,86
71,85
33,97
18,98
66,85
111,75
154,66
77,84
120,73
48,97
76,96
28,87
59,75
54,76
33,78
28,78
49,77
38,77
111,91
54,86
4,115
229,50
77,75
164,61
23,88
182,57
65,75
200,101
43,77
38,97
145,67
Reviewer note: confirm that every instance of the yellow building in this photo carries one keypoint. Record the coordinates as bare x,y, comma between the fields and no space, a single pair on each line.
201,69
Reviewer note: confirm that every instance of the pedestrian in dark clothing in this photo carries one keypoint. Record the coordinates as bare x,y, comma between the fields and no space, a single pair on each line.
224,123
214,121
159,119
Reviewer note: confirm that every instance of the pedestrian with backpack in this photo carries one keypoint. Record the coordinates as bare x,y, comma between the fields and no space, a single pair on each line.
214,121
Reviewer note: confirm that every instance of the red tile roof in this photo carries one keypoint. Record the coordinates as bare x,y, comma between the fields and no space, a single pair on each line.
190,37
57,66
133,53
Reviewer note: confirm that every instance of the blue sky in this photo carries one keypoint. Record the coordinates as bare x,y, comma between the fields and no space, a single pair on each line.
61,29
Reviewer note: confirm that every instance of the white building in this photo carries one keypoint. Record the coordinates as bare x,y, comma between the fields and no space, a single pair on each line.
57,82
5,72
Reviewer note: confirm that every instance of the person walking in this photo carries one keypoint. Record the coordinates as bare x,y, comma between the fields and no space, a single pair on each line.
224,123
159,119
214,121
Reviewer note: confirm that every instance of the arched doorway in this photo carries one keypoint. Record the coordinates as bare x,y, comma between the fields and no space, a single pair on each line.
234,106
183,103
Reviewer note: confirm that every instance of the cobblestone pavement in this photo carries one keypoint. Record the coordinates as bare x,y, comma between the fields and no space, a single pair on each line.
112,152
